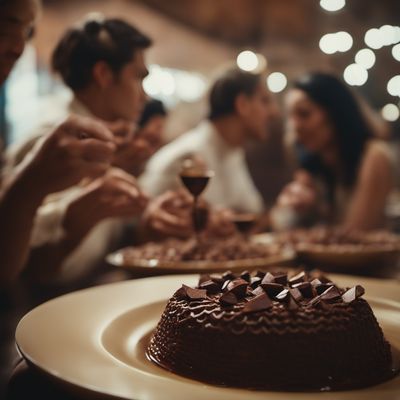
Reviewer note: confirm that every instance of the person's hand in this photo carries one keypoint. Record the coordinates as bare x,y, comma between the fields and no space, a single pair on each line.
170,214
220,222
133,149
80,147
116,194
300,194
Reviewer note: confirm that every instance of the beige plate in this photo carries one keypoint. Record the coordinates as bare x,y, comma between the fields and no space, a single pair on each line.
339,257
94,339
343,259
157,267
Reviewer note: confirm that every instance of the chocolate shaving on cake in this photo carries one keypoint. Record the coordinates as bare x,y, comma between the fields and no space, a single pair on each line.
258,290
245,275
296,294
255,281
238,287
229,299
282,295
186,292
331,294
258,303
292,305
210,286
300,277
272,289
228,275
268,278
352,294
305,288
280,277
225,285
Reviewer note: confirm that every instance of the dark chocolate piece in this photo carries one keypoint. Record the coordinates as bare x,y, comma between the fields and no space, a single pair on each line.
260,274
229,299
181,293
292,305
295,293
300,277
255,281
186,292
225,285
204,278
272,289
258,290
210,286
268,278
321,288
282,295
258,303
305,288
217,278
351,294
316,282
195,294
280,277
228,275
331,294
245,275
238,287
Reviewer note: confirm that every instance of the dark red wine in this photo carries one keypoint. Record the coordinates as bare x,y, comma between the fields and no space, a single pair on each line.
244,222
195,183
200,218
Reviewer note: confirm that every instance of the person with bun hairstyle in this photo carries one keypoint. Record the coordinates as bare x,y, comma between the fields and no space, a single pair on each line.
102,61
77,148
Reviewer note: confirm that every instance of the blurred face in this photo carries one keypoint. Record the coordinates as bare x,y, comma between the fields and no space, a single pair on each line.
16,27
125,95
258,112
152,132
308,121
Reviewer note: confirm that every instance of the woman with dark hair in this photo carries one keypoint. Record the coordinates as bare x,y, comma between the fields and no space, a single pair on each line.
346,173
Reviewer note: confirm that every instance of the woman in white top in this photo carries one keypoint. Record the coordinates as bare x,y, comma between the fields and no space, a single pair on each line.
346,173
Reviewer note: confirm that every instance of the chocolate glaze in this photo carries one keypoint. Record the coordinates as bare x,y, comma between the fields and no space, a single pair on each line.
273,341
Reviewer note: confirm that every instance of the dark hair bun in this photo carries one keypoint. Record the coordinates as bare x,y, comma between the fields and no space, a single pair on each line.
81,48
92,27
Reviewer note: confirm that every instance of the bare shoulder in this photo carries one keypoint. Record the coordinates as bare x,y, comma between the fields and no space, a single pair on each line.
377,159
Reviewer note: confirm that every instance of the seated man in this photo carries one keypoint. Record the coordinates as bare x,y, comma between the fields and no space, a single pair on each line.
102,62
240,110
78,148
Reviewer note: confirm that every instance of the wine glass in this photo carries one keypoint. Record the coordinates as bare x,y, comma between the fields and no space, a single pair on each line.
195,181
244,223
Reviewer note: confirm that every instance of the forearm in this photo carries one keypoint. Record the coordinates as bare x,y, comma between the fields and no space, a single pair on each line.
18,205
46,261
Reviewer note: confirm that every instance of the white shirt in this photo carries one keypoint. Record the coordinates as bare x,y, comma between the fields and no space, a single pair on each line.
231,186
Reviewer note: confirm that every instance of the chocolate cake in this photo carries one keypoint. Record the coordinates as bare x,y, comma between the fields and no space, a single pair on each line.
271,331
209,249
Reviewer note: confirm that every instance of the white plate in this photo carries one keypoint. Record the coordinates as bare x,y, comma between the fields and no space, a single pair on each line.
157,267
94,339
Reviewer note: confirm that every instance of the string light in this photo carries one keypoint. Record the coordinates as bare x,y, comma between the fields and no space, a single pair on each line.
332,5
247,60
365,58
390,112
355,75
276,82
